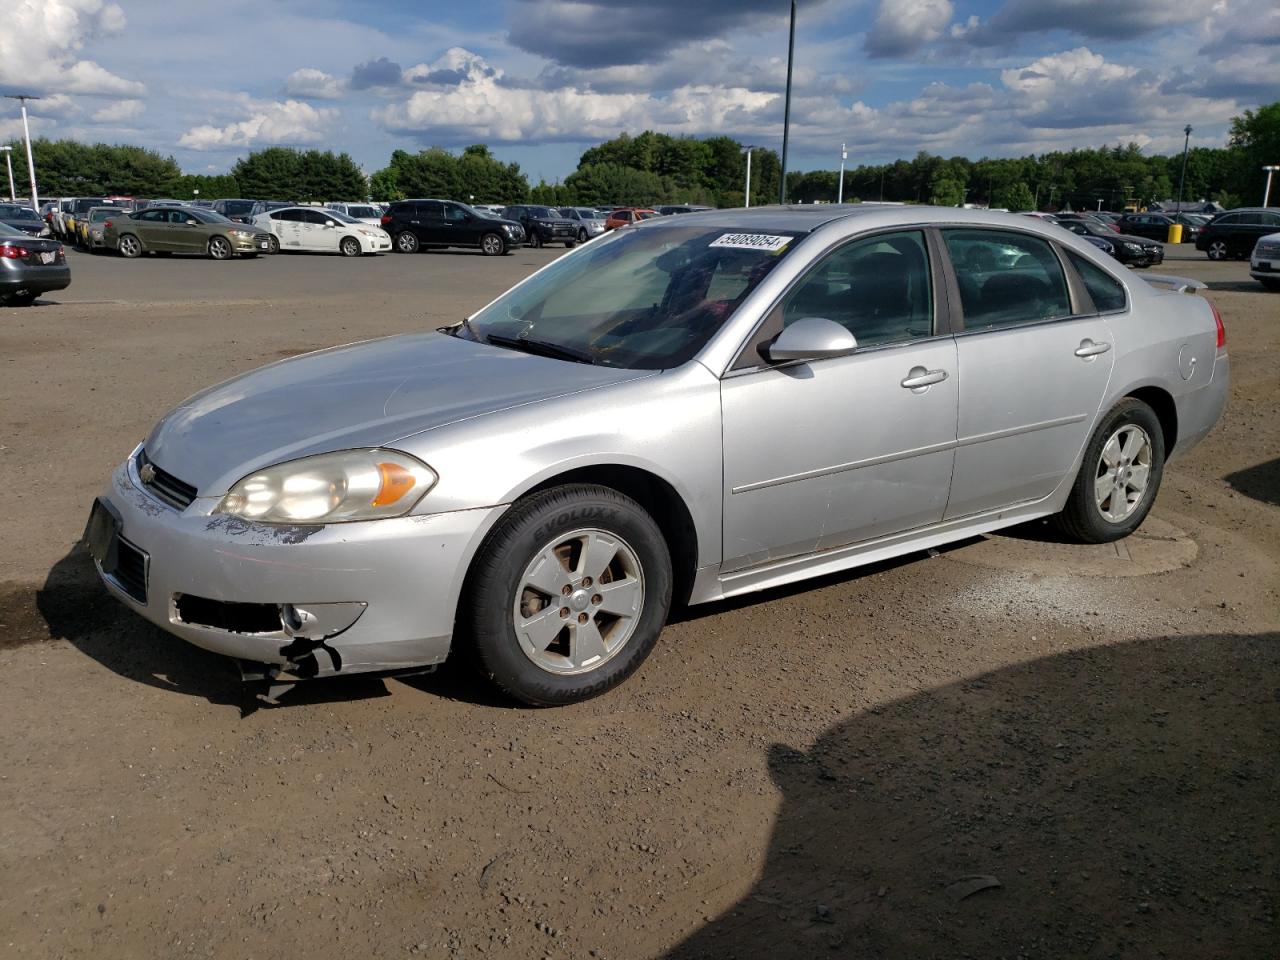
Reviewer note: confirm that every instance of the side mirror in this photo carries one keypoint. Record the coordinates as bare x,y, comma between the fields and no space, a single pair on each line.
331,223
812,338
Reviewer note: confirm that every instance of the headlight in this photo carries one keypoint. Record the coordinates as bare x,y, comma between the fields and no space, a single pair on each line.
242,234
332,488
1133,247
367,233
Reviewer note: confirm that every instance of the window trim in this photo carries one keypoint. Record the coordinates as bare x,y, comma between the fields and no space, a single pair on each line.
767,328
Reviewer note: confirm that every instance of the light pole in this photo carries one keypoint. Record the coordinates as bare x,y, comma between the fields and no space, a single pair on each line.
26,131
747,150
1183,179
8,162
844,155
1266,194
786,116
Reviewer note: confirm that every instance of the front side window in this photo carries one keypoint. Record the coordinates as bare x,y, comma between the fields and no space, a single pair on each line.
315,218
877,288
1006,278
454,213
1107,292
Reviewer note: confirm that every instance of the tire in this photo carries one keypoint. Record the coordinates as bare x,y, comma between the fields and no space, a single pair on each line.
1217,250
537,240
499,593
350,247
1084,518
220,248
406,242
19,300
582,236
273,245
570,244
492,245
130,247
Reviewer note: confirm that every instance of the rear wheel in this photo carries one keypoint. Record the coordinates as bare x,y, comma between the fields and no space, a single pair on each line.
220,248
350,247
568,594
273,245
493,245
406,242
1217,250
129,246
1119,476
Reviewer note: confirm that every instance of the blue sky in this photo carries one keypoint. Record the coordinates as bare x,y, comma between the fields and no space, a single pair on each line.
539,80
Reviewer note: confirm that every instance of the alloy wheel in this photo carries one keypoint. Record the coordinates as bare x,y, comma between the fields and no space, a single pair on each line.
491,244
350,247
1123,473
130,246
578,601
219,248
406,242
1217,250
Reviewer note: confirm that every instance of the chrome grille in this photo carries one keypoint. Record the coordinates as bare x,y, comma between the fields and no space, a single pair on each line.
164,486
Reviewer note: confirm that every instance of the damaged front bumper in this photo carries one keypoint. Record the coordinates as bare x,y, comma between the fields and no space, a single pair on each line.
317,600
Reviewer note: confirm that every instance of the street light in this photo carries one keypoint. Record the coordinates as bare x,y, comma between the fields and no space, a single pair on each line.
8,161
1266,194
844,155
786,116
747,150
26,130
1183,179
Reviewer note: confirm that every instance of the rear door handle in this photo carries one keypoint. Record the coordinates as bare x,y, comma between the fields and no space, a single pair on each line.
1089,349
918,378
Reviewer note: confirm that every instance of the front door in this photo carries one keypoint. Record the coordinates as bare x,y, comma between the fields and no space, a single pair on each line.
184,233
315,232
831,452
1033,371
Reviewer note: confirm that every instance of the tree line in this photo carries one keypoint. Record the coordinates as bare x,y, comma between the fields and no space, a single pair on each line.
654,168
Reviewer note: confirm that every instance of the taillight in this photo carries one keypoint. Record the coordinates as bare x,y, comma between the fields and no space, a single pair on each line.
11,252
386,218
106,224
1222,330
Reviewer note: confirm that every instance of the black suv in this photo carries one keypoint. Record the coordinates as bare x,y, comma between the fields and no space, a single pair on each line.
1155,226
414,224
544,224
1233,234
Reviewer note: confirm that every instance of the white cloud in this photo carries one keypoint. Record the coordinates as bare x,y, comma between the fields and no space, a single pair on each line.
120,112
904,26
316,84
41,44
268,122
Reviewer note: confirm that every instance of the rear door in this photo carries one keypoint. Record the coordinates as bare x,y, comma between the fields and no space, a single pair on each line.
149,228
1034,359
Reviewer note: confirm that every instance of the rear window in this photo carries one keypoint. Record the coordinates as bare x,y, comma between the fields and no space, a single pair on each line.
1107,292
1006,278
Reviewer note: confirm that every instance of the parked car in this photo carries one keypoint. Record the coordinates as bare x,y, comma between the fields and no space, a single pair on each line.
1234,233
620,431
670,209
1089,218
30,266
91,228
364,212
494,209
317,230
415,224
24,219
1106,246
589,220
1134,251
238,209
1155,226
64,218
623,216
167,230
1264,263
543,225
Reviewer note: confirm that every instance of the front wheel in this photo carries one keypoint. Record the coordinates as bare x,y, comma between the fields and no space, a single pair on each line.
568,594
493,245
220,248
130,247
537,239
1217,250
350,247
1118,478
406,242
582,236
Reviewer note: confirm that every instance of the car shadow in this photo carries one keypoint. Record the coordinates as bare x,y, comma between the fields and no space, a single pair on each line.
1238,286
1111,801
1261,482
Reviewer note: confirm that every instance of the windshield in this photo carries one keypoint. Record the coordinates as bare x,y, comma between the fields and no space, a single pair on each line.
367,212
543,213
208,216
642,299
84,206
586,213
342,217
14,212
99,215
237,208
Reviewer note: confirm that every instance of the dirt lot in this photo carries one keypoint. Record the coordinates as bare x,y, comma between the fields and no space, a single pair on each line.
1092,733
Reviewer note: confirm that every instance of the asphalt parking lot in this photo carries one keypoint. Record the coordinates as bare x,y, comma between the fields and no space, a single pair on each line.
1012,748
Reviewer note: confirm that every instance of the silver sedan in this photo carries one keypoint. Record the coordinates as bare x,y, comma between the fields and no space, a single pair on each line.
692,409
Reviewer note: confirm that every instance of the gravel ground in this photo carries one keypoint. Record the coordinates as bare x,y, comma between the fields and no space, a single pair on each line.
1014,748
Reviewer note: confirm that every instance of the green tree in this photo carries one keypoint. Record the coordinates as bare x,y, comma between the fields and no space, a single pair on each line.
289,174
1015,197
602,183
1255,137
476,176
210,187
946,191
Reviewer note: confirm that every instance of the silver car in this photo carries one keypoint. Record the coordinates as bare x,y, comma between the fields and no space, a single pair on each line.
590,221
697,407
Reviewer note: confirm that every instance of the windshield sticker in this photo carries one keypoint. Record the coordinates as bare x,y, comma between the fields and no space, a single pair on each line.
753,241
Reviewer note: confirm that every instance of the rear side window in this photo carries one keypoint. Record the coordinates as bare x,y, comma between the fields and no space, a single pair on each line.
1006,278
1106,291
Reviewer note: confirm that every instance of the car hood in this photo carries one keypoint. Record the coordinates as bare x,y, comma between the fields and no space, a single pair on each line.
366,394
1131,238
554,221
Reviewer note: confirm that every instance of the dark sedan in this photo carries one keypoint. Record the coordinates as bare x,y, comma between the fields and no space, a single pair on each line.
543,225
1131,250
1155,226
30,266
25,219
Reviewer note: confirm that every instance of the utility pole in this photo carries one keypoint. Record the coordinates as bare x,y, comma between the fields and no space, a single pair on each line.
1266,194
8,160
844,155
882,170
1186,144
786,116
748,150
26,130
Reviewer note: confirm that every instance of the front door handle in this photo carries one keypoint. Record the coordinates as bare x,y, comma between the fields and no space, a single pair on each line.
1088,349
918,378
